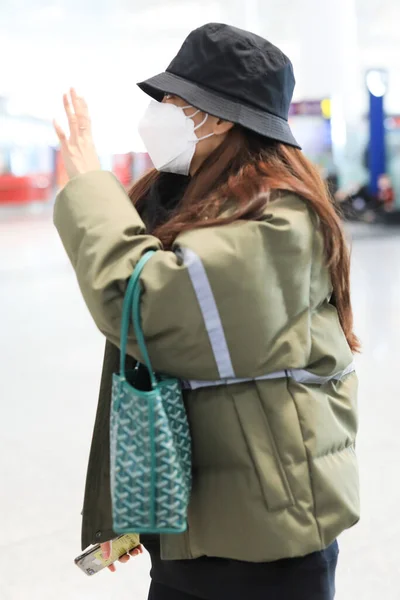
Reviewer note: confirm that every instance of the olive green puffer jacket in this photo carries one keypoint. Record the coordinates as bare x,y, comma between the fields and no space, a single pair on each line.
242,312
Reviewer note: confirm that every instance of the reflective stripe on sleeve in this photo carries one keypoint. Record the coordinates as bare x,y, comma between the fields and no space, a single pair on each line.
209,310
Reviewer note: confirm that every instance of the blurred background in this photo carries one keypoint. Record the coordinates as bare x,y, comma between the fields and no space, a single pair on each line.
346,115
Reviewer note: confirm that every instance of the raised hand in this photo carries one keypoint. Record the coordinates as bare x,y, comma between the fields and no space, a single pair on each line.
77,149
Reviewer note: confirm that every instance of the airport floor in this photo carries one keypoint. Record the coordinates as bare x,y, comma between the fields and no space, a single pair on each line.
51,354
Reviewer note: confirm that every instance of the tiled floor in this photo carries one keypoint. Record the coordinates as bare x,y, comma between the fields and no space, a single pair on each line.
50,358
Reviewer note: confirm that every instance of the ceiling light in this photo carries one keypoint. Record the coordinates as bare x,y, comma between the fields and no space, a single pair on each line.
377,82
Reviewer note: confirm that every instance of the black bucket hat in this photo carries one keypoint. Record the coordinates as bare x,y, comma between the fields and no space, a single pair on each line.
234,75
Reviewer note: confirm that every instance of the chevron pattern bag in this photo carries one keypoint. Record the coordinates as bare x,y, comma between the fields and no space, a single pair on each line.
149,438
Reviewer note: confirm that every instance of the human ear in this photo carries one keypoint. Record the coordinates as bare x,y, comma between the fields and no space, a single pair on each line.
222,127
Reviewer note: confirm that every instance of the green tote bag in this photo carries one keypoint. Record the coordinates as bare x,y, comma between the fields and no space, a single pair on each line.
150,442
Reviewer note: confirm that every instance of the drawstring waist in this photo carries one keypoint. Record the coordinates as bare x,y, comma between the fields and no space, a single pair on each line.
299,375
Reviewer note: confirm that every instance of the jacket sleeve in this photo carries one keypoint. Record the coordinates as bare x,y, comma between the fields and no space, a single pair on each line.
222,304
104,238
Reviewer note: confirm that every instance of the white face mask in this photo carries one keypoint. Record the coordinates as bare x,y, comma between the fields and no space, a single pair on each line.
170,136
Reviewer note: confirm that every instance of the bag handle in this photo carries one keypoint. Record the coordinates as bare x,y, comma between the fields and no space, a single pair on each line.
132,303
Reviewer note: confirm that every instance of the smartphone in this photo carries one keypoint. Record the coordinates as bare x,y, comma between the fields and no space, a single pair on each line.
92,561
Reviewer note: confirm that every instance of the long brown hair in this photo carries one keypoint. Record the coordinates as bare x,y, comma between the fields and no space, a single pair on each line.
239,179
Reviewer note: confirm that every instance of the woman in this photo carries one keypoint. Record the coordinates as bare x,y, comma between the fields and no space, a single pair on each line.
247,300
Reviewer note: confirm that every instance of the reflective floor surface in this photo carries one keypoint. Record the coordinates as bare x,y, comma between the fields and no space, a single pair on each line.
50,365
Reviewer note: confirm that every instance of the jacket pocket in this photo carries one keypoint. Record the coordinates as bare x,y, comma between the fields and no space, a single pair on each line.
262,449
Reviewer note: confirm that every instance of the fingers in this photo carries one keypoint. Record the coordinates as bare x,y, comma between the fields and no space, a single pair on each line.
72,119
74,100
106,550
124,559
60,133
136,551
78,117
81,112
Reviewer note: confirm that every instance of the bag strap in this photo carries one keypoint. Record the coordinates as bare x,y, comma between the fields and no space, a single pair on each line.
130,306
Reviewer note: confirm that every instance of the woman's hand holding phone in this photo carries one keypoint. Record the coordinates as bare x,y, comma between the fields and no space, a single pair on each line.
106,549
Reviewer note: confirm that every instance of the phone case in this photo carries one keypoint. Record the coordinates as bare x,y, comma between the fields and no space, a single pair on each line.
92,561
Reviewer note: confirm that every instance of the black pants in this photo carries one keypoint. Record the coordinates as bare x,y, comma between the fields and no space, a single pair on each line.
310,577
